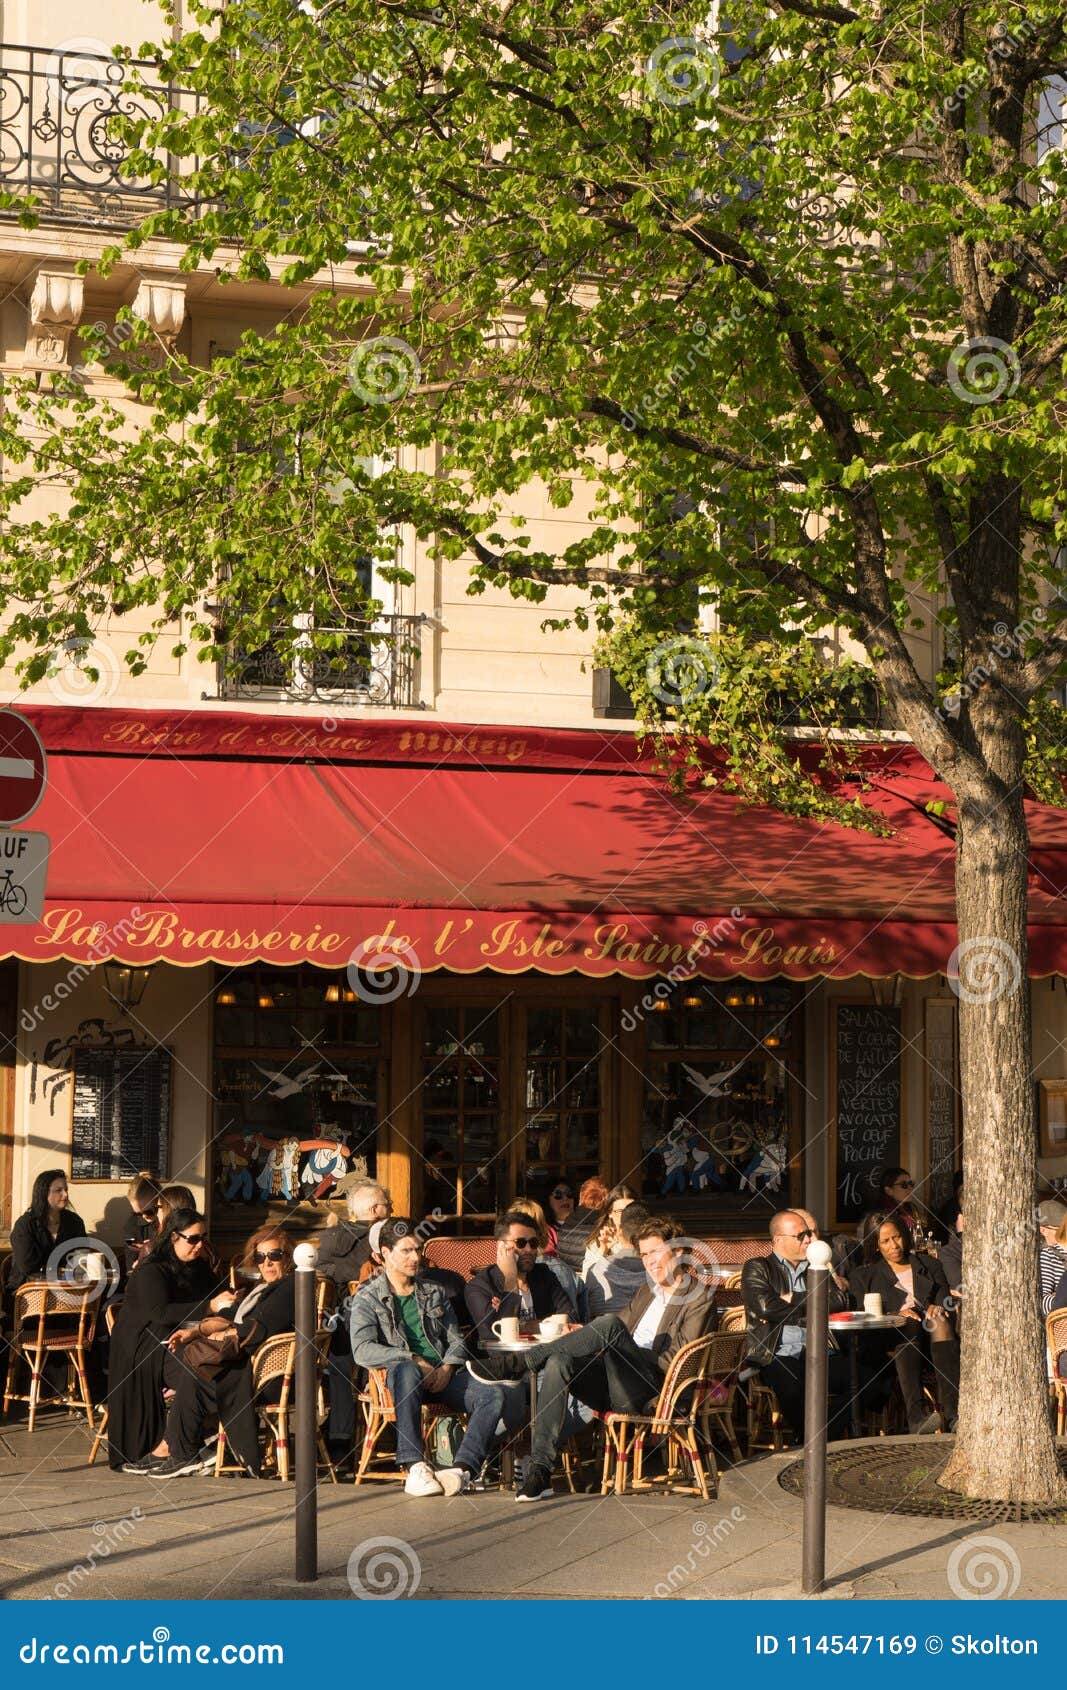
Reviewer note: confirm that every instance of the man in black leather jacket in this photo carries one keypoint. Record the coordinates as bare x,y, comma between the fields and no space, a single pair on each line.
774,1289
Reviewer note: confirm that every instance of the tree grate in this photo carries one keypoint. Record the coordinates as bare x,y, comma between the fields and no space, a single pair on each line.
901,1478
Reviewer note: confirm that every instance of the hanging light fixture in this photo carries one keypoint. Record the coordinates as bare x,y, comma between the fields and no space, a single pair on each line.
265,1000
333,992
125,984
226,998
693,1001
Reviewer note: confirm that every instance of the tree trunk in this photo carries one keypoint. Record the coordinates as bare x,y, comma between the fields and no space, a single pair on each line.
1005,1449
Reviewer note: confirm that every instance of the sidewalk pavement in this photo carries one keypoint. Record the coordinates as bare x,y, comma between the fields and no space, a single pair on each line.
72,1531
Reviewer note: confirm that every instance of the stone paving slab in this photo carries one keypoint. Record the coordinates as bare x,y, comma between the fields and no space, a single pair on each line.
70,1530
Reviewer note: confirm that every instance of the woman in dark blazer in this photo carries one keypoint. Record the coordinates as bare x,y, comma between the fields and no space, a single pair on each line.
916,1287
175,1282
199,1404
48,1223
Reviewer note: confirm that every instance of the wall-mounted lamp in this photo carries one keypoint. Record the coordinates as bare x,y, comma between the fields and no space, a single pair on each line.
125,984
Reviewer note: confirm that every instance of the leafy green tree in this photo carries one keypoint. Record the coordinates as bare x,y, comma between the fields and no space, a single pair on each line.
786,286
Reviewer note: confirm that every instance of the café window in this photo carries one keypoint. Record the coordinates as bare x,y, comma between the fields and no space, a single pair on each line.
465,1172
722,1093
300,1077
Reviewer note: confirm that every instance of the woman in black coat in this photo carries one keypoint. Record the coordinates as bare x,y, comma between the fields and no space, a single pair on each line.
174,1283
48,1223
915,1287
200,1403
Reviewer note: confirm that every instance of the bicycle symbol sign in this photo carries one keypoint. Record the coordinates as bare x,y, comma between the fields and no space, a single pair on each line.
23,873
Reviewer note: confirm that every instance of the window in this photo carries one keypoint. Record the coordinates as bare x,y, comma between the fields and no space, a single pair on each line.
300,1072
721,1105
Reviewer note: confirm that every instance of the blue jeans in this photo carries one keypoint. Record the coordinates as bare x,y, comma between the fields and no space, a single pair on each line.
483,1404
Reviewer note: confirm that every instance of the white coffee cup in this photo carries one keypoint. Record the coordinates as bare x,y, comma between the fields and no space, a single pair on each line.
553,1326
507,1330
872,1303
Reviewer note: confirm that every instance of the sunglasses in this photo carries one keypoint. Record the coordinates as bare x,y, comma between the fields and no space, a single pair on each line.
269,1255
903,1185
525,1243
194,1239
149,1209
561,1194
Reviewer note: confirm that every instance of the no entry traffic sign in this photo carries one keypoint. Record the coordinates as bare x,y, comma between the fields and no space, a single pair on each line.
23,768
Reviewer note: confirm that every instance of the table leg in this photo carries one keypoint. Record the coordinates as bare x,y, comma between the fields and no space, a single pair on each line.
854,1385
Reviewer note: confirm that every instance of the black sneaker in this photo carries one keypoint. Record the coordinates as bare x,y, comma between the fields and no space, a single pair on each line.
536,1484
508,1368
178,1466
147,1464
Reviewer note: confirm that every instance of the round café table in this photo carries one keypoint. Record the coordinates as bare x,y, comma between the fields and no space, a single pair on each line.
496,1347
856,1328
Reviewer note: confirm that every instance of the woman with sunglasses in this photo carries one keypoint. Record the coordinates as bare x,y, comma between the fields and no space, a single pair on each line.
199,1404
568,1226
895,1197
176,1282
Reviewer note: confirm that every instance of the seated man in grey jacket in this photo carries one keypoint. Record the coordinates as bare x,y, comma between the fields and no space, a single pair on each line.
405,1324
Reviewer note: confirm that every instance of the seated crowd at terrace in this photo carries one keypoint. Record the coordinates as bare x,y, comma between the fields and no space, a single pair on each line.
606,1294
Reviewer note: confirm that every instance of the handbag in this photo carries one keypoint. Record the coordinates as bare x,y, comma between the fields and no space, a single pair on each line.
210,1351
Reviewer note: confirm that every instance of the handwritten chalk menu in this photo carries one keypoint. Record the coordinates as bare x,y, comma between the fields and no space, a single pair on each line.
866,1065
942,1096
121,1113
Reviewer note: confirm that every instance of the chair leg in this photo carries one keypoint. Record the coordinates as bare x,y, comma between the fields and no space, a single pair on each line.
9,1384
609,1450
623,1458
99,1438
220,1451
324,1456
281,1449
35,1387
688,1441
375,1426
83,1381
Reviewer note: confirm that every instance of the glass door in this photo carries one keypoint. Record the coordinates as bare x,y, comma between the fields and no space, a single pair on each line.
464,1168
562,1096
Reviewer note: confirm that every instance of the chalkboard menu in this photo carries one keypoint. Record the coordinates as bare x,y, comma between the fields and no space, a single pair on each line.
121,1113
866,1064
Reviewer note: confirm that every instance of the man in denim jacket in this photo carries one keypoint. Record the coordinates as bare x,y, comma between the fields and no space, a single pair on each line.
406,1325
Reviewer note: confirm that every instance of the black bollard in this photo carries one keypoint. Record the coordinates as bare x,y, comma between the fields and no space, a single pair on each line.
815,1412
307,1552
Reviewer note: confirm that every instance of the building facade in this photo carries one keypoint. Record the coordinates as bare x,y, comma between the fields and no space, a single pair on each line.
437,917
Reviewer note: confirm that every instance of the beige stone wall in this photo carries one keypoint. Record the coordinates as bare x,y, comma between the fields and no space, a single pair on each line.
54,1004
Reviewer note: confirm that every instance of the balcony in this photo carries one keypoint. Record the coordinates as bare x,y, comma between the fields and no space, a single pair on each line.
58,149
377,665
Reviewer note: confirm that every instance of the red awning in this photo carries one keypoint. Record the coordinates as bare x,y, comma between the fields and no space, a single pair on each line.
191,838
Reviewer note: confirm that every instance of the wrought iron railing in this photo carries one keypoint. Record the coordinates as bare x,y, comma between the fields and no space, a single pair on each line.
58,142
377,664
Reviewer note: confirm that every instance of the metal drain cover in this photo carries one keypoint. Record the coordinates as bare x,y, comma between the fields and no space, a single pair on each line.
900,1477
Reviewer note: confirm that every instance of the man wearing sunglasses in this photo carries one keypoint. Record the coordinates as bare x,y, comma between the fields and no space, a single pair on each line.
775,1294
517,1283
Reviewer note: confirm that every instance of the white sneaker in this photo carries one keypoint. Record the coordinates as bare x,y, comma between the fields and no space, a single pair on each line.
453,1480
422,1481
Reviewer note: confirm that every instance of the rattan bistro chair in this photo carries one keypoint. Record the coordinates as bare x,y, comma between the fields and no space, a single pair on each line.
276,1359
674,1419
379,1412
52,1321
765,1418
1056,1331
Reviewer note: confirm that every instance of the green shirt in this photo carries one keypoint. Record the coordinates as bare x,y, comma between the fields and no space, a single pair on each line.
411,1321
